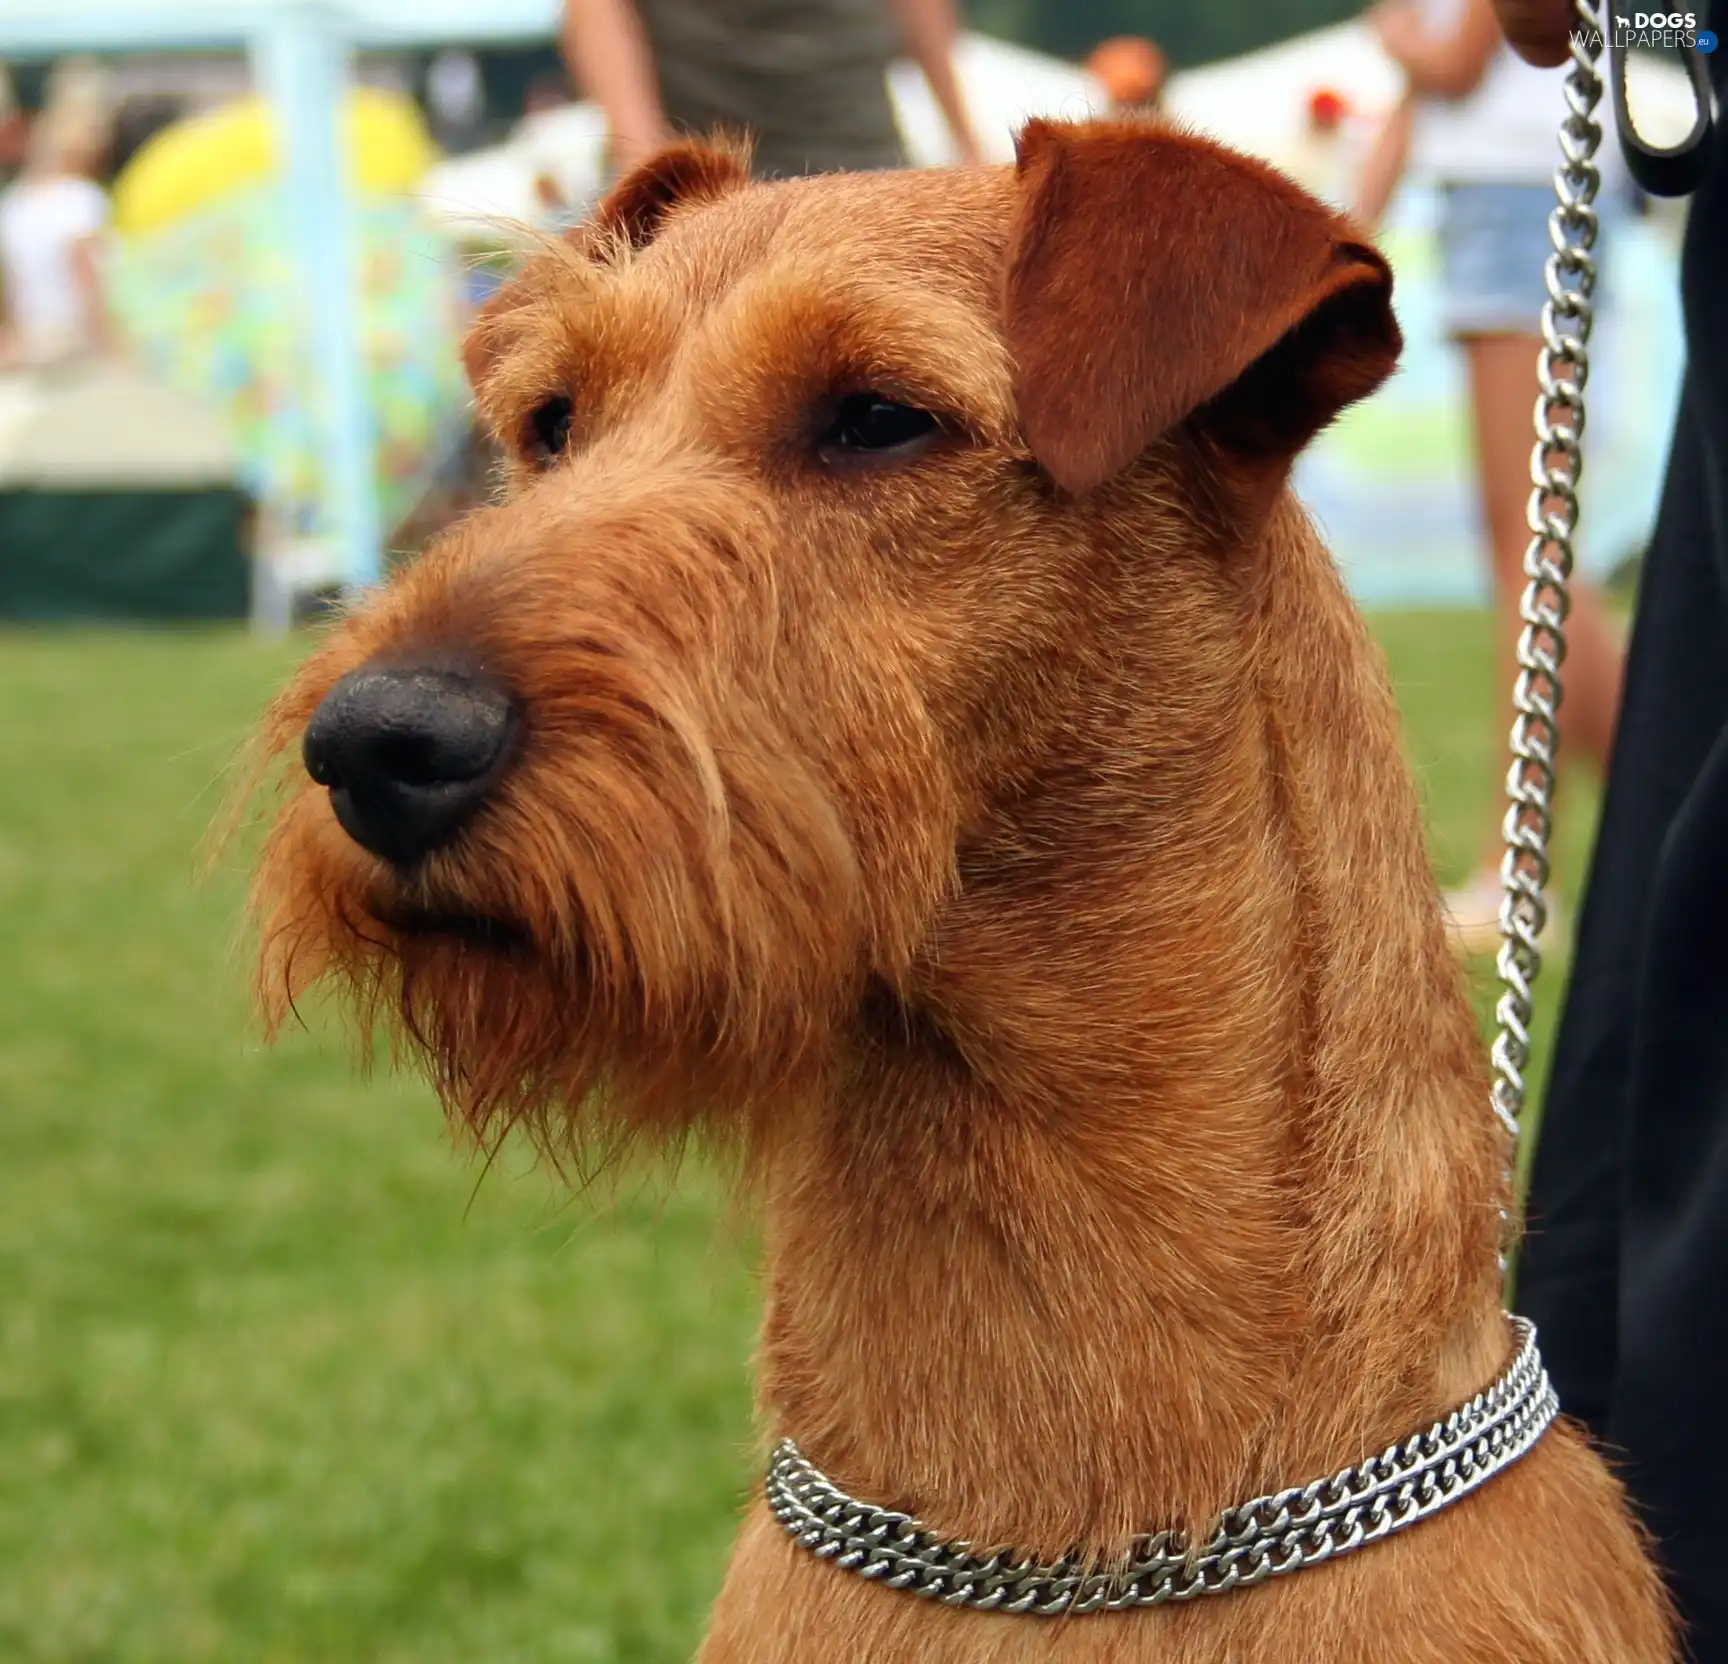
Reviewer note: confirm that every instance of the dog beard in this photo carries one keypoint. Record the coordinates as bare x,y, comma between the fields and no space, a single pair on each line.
646,925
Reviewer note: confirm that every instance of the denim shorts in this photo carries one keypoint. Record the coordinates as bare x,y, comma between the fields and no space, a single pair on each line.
1493,250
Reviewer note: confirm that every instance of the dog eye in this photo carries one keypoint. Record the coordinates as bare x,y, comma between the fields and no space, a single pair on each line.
549,428
870,422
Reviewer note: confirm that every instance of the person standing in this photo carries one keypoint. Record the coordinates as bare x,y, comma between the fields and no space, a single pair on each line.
1626,1258
51,222
1481,122
14,129
806,80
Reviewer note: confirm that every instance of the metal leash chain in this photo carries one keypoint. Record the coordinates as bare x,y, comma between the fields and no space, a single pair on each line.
1555,463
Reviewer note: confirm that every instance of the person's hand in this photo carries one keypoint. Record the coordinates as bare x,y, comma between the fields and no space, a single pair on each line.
1539,30
608,55
1389,16
626,146
1397,26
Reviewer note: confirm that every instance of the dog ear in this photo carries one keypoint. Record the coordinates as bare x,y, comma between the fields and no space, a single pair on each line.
691,170
1152,275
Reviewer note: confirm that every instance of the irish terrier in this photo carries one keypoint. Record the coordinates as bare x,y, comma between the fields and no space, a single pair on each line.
898,721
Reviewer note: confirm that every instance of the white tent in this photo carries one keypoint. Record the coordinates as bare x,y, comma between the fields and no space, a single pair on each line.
1259,102
151,437
1003,86
118,499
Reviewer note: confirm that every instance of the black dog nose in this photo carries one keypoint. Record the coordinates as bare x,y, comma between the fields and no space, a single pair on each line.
408,754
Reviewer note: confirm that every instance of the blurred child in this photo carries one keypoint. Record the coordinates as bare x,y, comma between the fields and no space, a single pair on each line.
51,223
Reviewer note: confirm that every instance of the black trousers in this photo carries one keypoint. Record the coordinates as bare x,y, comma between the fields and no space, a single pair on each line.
1625,1270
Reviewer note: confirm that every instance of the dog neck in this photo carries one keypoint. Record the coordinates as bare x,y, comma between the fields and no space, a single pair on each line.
1177,1183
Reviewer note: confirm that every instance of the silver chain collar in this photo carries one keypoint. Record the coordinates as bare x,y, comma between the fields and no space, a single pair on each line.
1268,1537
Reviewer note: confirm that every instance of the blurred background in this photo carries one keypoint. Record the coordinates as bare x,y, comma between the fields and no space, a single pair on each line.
282,1374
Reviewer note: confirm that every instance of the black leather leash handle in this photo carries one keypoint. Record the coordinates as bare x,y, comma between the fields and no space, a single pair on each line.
1674,170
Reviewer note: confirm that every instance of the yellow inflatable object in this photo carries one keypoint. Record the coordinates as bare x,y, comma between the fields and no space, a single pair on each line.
205,158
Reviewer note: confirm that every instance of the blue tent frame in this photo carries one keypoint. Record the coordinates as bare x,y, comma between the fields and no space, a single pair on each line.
301,52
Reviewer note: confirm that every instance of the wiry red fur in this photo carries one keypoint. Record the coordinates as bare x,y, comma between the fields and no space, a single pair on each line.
1027,876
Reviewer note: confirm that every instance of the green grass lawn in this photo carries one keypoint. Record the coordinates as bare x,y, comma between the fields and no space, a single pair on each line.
280,1377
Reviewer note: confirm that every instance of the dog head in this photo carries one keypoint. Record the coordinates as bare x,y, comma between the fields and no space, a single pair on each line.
831,512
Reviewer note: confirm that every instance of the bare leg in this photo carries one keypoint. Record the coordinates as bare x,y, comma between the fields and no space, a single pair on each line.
1502,395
